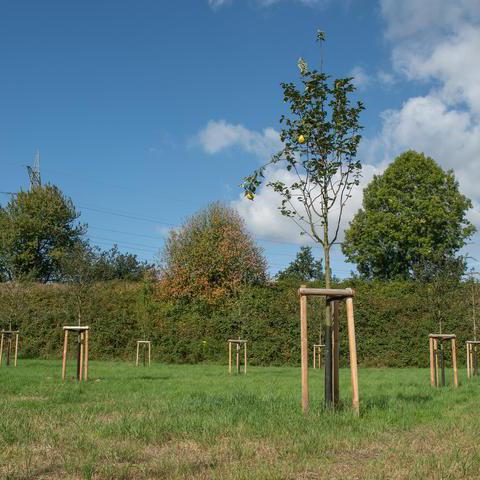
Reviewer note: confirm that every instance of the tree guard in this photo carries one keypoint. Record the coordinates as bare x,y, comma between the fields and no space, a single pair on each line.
437,358
238,344
333,297
6,337
82,351
147,346
473,348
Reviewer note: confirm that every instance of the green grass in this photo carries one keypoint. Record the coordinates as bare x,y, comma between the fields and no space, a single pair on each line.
196,421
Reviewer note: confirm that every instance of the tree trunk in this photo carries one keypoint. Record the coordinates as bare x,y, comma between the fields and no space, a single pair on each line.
328,326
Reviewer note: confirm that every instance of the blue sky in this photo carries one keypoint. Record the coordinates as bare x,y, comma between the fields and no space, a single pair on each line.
146,111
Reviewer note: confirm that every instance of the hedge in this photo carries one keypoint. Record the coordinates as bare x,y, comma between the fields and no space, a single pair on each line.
393,321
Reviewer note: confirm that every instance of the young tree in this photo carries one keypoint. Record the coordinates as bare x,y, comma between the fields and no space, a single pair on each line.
413,214
320,136
210,256
37,228
304,268
80,272
442,277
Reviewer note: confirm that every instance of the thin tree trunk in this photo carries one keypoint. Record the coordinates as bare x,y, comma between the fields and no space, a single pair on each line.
328,323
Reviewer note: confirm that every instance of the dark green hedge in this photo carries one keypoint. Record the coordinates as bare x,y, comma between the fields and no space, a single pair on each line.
393,321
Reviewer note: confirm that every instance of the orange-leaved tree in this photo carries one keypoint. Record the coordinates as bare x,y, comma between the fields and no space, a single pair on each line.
211,256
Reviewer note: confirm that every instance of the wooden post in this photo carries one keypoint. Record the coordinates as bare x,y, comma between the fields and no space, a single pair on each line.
237,351
468,360
138,349
1,349
432,360
64,357
85,376
314,356
304,350
16,350
353,355
435,349
229,357
245,357
149,353
80,335
454,362
335,353
9,349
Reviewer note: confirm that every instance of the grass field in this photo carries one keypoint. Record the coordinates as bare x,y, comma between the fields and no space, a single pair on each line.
194,421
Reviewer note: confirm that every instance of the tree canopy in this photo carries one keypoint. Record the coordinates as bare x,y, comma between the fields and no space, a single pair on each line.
210,256
37,228
412,215
304,268
320,135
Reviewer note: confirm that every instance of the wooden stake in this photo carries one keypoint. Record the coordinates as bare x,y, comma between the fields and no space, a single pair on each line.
432,360
138,351
80,371
468,360
16,350
64,358
149,353
454,362
9,349
435,349
86,356
229,357
353,355
304,350
1,350
237,351
245,357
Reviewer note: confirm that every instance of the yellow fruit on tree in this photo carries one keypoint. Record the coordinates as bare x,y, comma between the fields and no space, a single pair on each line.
301,139
250,195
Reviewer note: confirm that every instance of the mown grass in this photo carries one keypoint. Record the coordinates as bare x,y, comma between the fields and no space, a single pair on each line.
194,421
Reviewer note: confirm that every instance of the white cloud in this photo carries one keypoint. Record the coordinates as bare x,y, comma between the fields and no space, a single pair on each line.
221,135
386,79
360,77
216,4
426,20
265,220
435,42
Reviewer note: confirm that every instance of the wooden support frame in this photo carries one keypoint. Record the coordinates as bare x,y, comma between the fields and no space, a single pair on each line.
146,344
317,355
332,296
82,351
238,346
473,351
437,358
6,340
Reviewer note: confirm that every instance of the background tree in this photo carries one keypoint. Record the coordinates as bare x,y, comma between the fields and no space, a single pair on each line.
304,268
320,136
115,265
37,228
210,256
413,215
